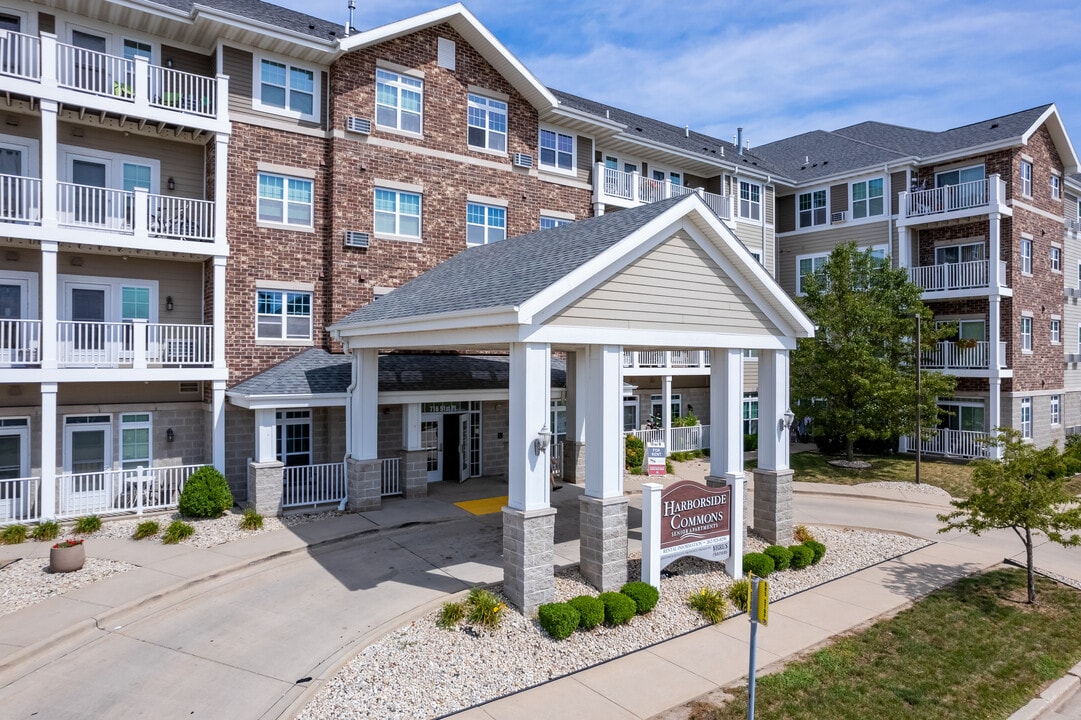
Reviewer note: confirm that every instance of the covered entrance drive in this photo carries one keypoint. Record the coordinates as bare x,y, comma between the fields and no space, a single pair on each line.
663,276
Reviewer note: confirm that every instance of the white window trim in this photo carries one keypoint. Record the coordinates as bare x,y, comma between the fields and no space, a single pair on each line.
114,166
1051,330
29,283
813,225
114,294
404,72
28,147
284,288
1026,426
1050,258
489,96
285,202
20,426
799,276
1026,182
1056,186
1055,410
1026,242
398,189
148,424
257,87
852,202
960,168
573,171
70,429
761,202
632,401
1031,340
486,226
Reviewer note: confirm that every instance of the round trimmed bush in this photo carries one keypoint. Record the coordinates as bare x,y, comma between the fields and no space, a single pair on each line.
760,564
801,556
781,555
559,620
645,596
590,611
817,548
205,494
618,608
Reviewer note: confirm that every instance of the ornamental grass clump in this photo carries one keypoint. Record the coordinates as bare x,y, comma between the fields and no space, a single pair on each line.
45,531
13,535
251,520
738,593
484,608
645,596
559,620
802,534
145,529
206,494
87,524
177,531
590,611
450,615
711,603
618,608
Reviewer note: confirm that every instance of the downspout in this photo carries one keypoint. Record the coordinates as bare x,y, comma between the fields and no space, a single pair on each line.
348,431
889,212
765,189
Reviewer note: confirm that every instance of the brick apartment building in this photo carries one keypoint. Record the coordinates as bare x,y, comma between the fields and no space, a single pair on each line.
191,193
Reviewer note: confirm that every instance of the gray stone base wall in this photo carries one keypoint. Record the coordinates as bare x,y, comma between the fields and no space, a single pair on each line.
574,462
603,527
365,478
773,505
265,487
414,470
528,556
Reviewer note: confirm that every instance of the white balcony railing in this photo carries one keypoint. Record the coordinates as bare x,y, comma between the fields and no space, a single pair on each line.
94,207
391,477
120,491
651,359
180,218
20,500
184,91
125,212
947,199
20,199
953,443
949,355
684,439
635,189
955,276
313,484
94,72
20,342
20,55
135,344
179,345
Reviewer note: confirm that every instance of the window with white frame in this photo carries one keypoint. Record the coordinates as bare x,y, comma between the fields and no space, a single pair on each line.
556,150
807,265
967,252
547,222
1056,409
1055,258
88,449
399,101
661,175
630,414
1026,418
1056,187
750,414
656,408
812,208
135,434
1056,330
1026,256
397,212
959,176
867,198
485,224
283,315
961,414
1026,334
294,437
287,88
1026,178
750,354
286,200
487,123
750,200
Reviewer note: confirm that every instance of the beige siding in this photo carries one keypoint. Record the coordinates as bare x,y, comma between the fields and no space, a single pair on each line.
786,214
864,235
897,185
188,61
1071,311
838,198
180,280
585,152
674,286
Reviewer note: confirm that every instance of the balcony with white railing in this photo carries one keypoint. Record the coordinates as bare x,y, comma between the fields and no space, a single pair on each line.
684,439
956,357
624,189
142,215
668,360
313,484
20,500
20,200
43,67
952,443
20,342
952,202
136,344
957,277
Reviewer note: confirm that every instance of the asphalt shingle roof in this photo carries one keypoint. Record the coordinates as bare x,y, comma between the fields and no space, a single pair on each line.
507,273
270,14
318,372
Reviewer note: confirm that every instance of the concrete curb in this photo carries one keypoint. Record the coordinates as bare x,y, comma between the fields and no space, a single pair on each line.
1053,697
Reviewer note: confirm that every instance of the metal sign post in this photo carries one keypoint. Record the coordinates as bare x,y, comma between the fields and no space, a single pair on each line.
757,612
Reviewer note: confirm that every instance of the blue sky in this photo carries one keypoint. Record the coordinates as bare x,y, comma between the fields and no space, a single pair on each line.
781,68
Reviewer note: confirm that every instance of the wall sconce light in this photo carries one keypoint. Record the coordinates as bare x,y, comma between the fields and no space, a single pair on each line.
785,423
169,303
171,184
170,435
168,62
543,440
77,261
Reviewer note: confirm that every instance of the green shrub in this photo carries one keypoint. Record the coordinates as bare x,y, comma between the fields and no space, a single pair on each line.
13,535
782,556
205,494
590,611
750,443
46,530
177,531
801,556
251,520
645,596
688,420
758,563
145,529
484,608
710,603
817,548
618,608
450,615
738,592
686,455
87,524
559,620
635,453
802,533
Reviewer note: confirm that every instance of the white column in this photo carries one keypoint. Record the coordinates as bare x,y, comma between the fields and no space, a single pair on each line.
217,424
218,313
530,397
904,248
221,183
49,432
49,301
266,445
604,434
666,410
411,426
364,405
773,448
726,444
49,163
581,393
994,375
994,251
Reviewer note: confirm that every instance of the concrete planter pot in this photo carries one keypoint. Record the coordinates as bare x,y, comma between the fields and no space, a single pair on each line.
66,559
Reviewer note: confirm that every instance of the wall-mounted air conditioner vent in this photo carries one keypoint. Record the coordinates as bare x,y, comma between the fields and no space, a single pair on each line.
356,239
838,217
523,160
1075,225
358,125
1073,292
1072,357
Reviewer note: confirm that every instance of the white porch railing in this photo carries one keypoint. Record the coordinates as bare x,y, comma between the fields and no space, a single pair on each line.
177,90
93,344
949,355
635,188
665,359
313,484
955,276
20,500
392,480
20,55
20,199
184,345
684,439
947,199
94,207
120,491
122,211
953,443
135,344
183,218
94,72
20,342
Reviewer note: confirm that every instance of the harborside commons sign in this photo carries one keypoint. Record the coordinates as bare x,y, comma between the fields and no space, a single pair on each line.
690,519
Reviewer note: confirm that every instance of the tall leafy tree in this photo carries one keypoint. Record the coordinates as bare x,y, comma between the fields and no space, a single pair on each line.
1024,492
856,378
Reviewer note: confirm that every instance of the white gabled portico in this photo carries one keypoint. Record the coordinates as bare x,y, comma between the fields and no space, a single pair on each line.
664,276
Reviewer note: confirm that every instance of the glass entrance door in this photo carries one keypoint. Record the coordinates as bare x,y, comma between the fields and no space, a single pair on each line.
88,451
88,202
14,466
431,441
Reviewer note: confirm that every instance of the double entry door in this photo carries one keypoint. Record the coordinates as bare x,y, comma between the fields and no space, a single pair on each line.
445,439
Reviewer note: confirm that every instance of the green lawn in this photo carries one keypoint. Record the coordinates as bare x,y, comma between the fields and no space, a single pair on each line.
972,650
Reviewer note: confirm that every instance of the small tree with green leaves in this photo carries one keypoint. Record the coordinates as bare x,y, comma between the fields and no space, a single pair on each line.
1024,492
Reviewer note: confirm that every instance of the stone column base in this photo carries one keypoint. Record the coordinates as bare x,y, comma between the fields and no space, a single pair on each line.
528,556
773,505
266,485
574,462
365,479
414,469
603,543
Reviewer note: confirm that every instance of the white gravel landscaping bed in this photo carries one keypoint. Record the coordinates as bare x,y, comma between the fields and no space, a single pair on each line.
422,671
28,581
208,532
